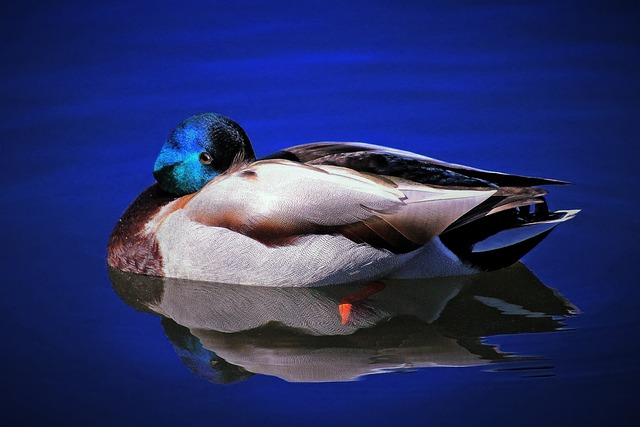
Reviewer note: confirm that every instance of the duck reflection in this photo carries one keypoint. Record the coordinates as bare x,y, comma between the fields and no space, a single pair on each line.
227,333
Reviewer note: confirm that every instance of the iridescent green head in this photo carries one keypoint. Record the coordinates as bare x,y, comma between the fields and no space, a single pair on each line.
200,148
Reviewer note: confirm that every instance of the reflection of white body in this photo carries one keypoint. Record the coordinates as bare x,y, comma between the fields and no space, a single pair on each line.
298,334
213,313
315,311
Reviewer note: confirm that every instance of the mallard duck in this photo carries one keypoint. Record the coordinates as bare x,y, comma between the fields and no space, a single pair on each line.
321,213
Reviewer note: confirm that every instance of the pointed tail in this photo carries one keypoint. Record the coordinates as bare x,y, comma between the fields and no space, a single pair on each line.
500,239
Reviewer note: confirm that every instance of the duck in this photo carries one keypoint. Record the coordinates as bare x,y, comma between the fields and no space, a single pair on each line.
321,213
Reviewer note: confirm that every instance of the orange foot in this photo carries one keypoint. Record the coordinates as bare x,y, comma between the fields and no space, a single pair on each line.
357,300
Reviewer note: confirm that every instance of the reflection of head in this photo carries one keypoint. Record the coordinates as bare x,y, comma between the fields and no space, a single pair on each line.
200,361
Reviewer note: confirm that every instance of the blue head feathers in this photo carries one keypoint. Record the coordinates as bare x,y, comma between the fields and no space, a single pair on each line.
200,148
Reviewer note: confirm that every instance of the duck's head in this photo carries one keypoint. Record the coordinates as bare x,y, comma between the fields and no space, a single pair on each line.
200,148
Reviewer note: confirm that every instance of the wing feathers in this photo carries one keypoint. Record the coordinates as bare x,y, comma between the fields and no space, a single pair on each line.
416,167
505,198
280,200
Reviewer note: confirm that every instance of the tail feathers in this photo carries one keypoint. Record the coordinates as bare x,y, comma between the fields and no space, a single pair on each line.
500,239
521,233
504,199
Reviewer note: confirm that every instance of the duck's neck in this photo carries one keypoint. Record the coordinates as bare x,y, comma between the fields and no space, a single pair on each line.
129,248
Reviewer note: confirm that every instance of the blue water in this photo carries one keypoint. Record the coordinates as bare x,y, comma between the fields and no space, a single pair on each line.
90,91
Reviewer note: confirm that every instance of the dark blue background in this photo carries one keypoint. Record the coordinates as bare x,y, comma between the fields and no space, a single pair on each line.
90,91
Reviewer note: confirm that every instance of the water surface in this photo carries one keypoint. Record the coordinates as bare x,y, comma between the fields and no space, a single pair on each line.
90,91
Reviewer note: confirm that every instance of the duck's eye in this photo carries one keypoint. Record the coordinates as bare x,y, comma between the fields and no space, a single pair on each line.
205,158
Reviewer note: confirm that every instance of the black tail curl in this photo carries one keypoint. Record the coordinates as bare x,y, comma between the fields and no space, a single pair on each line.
501,239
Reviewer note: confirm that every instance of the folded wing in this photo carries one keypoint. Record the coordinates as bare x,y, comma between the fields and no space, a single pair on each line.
276,201
404,164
